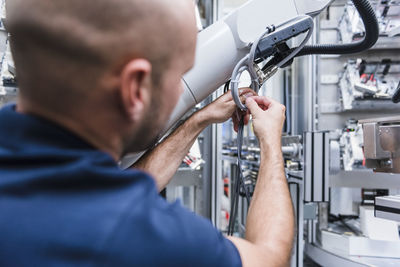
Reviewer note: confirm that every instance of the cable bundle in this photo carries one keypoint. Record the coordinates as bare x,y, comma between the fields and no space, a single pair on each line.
239,182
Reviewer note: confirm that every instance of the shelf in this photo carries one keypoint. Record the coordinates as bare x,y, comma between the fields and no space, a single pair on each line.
363,105
327,258
365,179
387,43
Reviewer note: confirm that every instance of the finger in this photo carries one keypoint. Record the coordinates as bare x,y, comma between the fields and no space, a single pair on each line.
253,107
225,97
236,127
237,117
244,114
247,116
263,101
246,119
234,118
246,90
243,94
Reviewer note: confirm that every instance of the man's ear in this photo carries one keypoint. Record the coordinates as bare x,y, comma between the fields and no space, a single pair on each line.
135,87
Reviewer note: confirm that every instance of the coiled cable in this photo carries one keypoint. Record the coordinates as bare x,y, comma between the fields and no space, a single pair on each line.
371,26
247,64
239,181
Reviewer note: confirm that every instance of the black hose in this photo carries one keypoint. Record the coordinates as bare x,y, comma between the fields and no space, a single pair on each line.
371,25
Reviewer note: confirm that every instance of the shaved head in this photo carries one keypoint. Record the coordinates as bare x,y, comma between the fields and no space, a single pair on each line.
109,70
70,45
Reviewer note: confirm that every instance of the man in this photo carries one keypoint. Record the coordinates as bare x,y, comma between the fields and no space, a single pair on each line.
98,79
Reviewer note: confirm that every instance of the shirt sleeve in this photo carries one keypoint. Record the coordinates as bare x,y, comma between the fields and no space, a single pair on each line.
155,233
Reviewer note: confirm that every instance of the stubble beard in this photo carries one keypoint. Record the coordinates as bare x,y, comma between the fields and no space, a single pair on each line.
149,132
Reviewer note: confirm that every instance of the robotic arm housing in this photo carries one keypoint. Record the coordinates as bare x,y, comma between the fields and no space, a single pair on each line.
222,45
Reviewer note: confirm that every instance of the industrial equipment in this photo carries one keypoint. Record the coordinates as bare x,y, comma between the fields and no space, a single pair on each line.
388,207
232,38
388,13
231,41
369,84
382,144
319,149
351,143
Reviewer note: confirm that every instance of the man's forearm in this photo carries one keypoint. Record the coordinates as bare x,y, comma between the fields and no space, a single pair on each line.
270,220
163,161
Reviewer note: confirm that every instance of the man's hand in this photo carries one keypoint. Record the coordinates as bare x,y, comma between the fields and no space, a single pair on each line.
269,228
268,119
224,108
176,146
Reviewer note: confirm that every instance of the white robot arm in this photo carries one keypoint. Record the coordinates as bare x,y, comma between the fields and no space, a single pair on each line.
223,44
226,43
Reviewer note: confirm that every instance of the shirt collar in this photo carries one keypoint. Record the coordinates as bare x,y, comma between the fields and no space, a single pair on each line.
20,130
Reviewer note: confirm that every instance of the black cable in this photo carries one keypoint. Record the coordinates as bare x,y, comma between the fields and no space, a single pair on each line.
295,177
297,217
226,87
396,95
342,219
352,229
334,218
239,182
240,171
287,104
234,204
371,25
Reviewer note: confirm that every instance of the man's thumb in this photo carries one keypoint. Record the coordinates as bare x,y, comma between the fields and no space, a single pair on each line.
252,105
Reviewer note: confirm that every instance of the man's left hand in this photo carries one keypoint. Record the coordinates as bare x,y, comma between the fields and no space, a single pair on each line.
224,108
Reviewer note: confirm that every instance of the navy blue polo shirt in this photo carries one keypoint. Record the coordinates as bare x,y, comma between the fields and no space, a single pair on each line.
65,203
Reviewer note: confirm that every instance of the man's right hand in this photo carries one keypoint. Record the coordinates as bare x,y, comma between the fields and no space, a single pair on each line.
269,228
268,119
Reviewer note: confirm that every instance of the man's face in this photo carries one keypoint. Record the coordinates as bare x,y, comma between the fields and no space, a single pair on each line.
167,93
171,87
